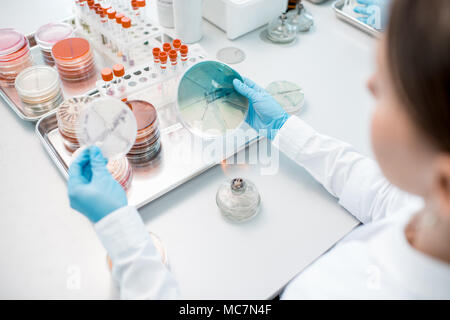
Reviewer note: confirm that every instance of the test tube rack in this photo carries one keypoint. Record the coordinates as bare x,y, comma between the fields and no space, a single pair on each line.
143,36
148,77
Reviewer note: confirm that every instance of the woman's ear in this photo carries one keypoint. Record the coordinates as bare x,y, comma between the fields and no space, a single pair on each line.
441,186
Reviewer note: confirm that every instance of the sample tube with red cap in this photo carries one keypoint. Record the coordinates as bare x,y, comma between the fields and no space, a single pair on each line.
184,54
173,59
141,6
167,47
163,61
156,51
107,76
136,12
119,72
176,44
126,25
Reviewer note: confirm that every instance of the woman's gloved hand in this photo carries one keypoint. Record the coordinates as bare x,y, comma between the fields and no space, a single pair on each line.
92,190
374,11
264,112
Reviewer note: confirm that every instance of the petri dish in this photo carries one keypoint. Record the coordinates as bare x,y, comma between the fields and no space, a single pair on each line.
231,55
279,31
288,94
70,49
50,33
109,124
10,41
37,82
207,103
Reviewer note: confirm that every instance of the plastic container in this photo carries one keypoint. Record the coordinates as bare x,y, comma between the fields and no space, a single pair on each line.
121,171
47,35
15,56
67,117
39,89
187,17
74,59
165,13
147,145
238,17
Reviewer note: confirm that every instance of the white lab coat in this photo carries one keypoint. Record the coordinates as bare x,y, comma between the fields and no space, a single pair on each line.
374,261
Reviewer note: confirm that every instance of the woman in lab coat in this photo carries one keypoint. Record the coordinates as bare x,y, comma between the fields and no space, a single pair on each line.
403,248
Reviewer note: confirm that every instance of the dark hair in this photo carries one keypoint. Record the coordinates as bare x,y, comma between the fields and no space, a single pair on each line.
418,54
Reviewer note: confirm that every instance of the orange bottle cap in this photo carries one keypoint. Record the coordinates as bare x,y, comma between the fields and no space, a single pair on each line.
163,56
126,22
167,47
156,51
107,74
119,17
184,49
118,70
141,3
111,13
176,43
173,55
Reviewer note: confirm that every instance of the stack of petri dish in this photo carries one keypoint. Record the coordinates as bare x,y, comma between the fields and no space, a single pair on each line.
48,35
39,89
74,59
121,171
147,145
15,56
67,116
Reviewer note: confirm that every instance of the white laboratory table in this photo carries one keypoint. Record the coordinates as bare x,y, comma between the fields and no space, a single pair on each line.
47,250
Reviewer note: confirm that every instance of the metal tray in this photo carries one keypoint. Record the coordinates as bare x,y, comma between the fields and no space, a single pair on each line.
183,155
338,5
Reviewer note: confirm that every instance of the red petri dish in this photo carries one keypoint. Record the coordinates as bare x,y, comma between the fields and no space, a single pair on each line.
71,49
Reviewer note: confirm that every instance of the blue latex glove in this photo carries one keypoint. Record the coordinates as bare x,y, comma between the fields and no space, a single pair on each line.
264,112
92,189
374,11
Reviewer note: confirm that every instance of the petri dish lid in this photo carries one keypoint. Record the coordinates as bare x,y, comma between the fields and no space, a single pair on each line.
50,33
10,41
37,81
207,102
109,124
70,48
288,94
279,31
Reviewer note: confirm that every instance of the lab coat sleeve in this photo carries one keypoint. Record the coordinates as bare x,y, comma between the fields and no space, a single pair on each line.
137,265
354,179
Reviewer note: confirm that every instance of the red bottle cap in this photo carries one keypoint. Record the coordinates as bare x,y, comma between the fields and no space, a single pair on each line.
118,70
134,4
107,74
184,49
176,43
173,55
167,47
126,22
141,3
119,17
156,52
163,56
111,13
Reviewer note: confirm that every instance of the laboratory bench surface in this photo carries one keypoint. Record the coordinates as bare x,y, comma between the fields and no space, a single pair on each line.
50,251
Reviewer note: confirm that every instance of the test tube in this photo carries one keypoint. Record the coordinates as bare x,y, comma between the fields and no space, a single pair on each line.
167,47
156,51
184,54
111,19
176,44
104,25
173,59
117,48
126,24
119,72
163,61
107,76
136,12
141,6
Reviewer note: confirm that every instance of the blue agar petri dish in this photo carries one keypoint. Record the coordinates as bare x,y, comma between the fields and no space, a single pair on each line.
208,104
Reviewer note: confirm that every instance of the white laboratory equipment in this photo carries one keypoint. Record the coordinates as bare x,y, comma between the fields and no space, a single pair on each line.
187,18
238,17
